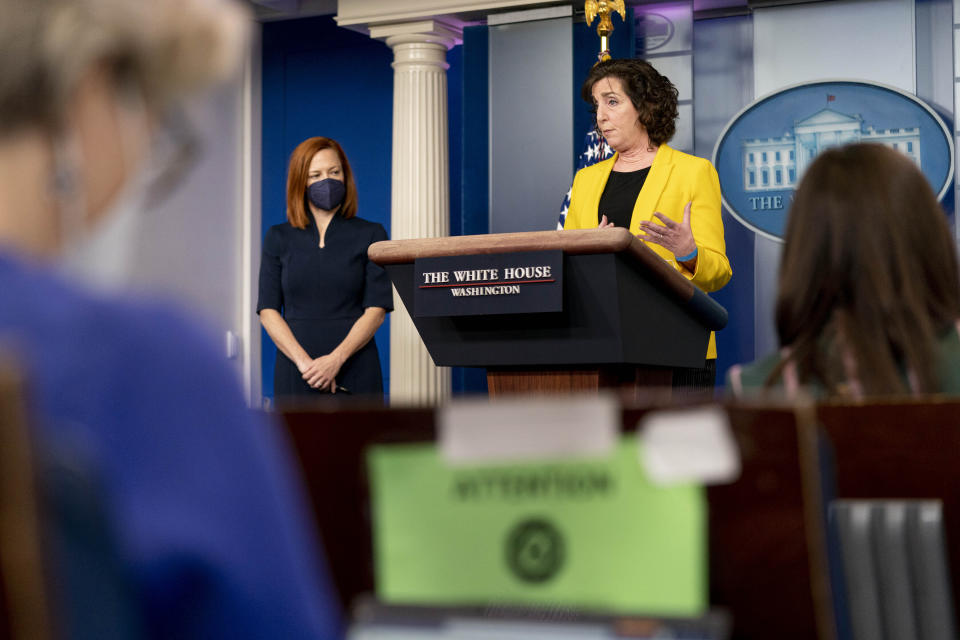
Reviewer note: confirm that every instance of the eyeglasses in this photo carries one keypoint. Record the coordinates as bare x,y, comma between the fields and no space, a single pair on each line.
175,150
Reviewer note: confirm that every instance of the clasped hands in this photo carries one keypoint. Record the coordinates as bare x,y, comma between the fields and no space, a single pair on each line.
676,237
321,373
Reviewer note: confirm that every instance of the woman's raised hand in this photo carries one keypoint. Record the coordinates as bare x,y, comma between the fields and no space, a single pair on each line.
605,224
676,237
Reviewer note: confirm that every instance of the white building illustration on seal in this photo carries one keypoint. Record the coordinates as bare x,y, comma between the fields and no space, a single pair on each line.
778,163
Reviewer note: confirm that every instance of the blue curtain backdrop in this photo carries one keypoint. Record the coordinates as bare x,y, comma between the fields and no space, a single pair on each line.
322,80
461,110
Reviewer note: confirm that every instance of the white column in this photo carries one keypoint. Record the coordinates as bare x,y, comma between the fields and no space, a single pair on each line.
420,191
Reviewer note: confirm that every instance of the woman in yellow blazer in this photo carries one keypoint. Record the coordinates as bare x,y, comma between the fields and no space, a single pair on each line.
669,199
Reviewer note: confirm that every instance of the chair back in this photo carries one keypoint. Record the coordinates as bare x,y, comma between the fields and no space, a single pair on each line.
895,568
61,575
25,603
895,506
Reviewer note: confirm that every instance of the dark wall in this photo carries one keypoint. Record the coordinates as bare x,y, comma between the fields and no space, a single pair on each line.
723,85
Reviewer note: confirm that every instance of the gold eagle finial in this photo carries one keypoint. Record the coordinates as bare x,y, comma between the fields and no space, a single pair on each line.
603,8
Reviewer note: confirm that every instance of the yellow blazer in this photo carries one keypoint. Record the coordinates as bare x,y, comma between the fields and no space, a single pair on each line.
675,179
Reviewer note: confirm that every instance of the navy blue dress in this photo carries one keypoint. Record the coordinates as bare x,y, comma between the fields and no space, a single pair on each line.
321,293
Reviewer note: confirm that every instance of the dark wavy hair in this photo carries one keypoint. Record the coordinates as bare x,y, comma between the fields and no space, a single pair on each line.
651,93
868,271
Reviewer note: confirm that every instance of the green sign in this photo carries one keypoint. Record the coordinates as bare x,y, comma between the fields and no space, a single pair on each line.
591,534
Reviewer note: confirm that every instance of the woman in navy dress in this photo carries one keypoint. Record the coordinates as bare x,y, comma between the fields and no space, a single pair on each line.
321,299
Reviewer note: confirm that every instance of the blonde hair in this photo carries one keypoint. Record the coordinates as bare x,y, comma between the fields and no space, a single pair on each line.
163,48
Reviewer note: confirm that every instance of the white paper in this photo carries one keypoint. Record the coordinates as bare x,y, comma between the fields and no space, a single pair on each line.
528,428
689,445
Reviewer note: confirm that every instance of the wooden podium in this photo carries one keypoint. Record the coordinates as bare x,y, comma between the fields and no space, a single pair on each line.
628,317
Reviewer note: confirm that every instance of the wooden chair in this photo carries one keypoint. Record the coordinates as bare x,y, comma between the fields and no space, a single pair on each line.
768,564
25,602
898,449
330,442
60,575
768,553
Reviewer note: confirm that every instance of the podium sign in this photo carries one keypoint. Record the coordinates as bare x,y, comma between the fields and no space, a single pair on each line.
622,317
486,284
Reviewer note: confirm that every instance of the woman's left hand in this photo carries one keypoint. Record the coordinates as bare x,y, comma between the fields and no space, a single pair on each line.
322,372
676,237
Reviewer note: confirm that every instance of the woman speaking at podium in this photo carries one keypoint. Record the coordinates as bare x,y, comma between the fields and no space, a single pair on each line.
315,270
670,199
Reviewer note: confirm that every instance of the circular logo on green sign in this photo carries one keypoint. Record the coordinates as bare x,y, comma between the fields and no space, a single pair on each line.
535,550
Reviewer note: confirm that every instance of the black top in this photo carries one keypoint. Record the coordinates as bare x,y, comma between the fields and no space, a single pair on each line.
321,293
619,196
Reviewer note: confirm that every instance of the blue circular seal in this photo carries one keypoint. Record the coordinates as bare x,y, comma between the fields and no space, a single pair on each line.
762,153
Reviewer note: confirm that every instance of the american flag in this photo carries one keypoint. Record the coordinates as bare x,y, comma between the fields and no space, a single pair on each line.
595,149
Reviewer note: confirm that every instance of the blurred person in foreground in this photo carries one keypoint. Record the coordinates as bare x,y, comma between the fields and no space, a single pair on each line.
670,199
210,526
321,299
869,291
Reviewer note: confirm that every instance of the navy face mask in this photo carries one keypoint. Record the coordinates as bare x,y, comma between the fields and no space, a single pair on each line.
327,194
